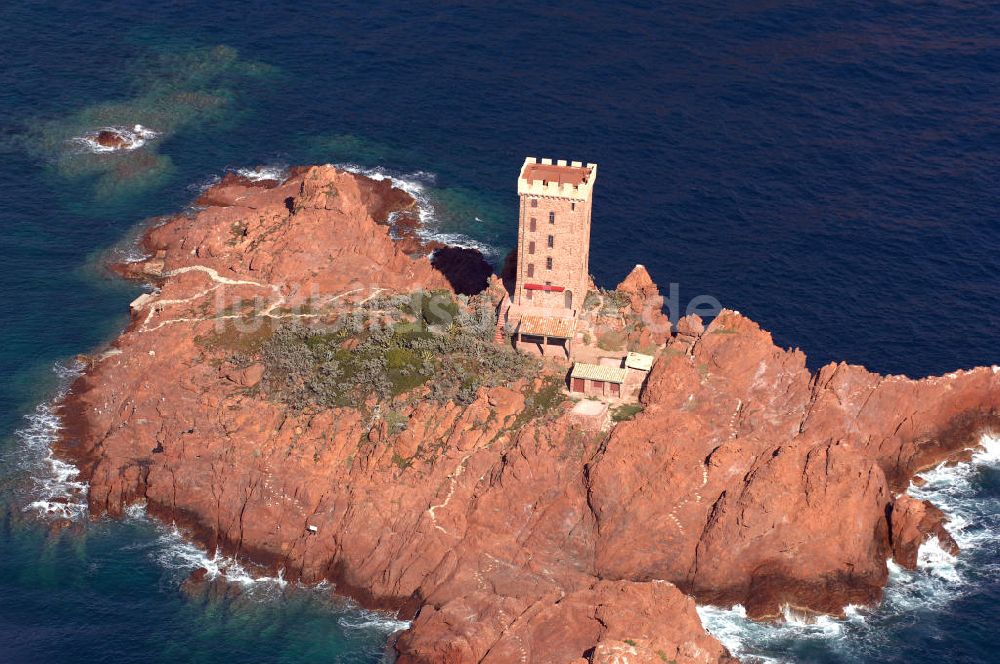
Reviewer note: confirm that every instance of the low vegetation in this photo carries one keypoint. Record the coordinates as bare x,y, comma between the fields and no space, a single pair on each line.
540,401
625,412
611,340
237,336
609,301
427,341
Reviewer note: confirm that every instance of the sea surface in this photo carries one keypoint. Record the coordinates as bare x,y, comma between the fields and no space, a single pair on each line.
830,169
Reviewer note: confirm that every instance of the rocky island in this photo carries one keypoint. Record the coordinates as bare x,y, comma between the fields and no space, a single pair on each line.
424,468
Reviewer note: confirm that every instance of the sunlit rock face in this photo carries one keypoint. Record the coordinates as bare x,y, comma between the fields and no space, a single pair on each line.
503,527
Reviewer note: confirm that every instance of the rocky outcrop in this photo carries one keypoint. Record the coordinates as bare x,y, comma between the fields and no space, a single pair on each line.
645,306
119,138
913,522
108,138
641,290
502,528
743,465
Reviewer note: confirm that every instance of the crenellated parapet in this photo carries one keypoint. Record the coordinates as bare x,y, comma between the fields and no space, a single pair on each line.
559,179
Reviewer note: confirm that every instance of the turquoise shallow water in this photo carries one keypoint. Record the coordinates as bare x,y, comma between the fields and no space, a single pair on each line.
831,171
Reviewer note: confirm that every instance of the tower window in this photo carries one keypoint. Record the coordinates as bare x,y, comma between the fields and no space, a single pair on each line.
552,241
533,224
531,247
572,206
552,217
531,269
534,203
529,293
548,263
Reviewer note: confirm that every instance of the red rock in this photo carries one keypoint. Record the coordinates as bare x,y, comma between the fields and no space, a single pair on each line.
646,304
914,522
743,465
231,188
112,139
690,326
247,377
639,286
745,479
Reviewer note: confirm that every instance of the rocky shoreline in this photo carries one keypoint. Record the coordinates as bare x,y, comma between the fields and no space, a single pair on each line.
505,528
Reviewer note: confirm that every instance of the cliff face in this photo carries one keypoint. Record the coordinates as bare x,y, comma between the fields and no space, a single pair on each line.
767,484
510,530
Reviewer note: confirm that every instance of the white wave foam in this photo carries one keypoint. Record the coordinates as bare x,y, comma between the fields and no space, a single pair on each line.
261,173
57,493
175,552
733,629
952,488
278,172
940,577
134,138
932,557
416,185
380,621
172,551
201,186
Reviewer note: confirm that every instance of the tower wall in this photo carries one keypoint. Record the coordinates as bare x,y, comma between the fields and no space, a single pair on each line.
567,196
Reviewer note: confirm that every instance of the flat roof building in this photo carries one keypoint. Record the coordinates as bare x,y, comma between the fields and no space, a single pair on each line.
597,379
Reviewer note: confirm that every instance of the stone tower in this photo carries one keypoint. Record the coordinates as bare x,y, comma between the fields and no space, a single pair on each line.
553,238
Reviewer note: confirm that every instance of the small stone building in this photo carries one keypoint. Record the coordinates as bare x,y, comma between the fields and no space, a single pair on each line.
597,380
546,334
639,361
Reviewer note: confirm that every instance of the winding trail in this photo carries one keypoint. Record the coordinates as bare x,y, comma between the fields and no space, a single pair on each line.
453,477
156,305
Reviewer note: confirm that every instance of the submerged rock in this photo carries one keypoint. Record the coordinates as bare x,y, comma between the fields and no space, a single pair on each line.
119,138
108,138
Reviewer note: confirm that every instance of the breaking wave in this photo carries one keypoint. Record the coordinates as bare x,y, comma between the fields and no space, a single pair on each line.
940,579
55,492
261,173
173,551
278,172
379,621
417,185
201,186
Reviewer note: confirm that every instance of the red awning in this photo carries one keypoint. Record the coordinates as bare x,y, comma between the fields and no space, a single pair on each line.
542,287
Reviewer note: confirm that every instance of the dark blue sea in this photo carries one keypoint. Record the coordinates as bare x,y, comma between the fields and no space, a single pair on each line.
830,169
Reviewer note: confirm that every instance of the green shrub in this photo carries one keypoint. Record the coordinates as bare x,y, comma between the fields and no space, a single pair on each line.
546,399
313,367
625,412
438,308
242,336
613,301
396,421
237,231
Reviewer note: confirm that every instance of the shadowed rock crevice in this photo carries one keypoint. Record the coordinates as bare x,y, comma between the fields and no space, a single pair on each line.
467,271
